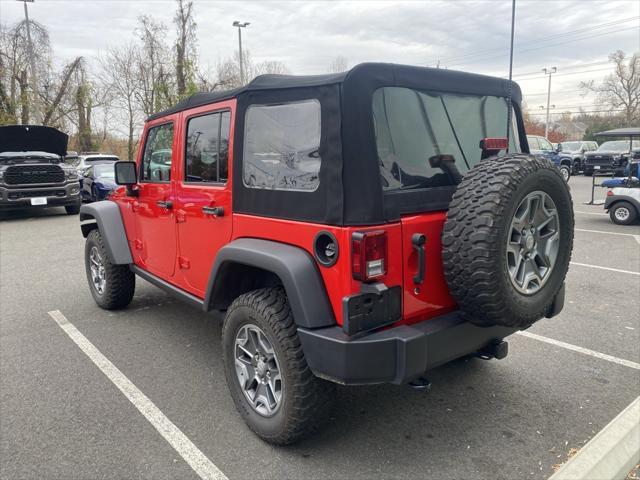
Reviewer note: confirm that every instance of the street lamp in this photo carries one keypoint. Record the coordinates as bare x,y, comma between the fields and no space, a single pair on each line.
240,26
549,71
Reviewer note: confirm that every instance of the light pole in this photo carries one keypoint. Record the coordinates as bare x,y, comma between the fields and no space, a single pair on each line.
240,26
32,60
548,71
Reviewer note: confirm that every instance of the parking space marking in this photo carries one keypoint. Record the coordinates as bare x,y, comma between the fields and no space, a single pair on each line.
165,427
586,351
588,213
629,272
636,237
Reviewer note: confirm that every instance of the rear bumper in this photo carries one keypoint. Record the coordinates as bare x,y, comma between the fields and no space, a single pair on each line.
396,355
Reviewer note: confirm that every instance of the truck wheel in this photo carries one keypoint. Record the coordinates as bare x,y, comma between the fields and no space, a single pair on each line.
623,213
507,240
565,170
267,375
576,166
112,286
73,209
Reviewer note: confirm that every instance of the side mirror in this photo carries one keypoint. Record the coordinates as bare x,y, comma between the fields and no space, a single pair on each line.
126,173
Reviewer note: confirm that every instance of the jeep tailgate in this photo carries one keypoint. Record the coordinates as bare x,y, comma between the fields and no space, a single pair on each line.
428,296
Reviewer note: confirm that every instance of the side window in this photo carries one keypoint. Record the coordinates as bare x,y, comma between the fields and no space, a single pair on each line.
544,144
282,146
533,143
156,160
207,148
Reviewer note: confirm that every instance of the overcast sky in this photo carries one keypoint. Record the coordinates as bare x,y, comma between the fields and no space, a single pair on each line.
575,36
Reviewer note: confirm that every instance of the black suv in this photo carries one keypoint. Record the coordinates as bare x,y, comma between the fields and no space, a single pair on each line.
32,169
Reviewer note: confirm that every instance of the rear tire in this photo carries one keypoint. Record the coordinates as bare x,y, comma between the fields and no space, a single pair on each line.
112,286
623,213
304,401
509,218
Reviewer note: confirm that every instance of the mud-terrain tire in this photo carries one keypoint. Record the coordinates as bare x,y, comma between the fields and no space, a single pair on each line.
305,401
119,285
623,213
480,237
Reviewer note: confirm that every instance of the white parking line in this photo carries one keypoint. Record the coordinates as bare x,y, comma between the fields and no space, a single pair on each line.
586,351
629,272
636,237
172,434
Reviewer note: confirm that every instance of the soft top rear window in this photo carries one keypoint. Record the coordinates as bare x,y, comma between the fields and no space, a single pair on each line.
412,126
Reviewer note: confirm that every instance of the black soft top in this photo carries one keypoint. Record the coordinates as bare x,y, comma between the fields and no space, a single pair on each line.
369,74
350,190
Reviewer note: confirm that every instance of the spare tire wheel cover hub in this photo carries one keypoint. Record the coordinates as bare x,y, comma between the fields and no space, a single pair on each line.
532,242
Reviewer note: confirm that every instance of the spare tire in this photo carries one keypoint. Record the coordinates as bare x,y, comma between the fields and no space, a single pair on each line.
507,240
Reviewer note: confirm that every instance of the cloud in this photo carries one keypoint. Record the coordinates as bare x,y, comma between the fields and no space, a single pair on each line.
465,35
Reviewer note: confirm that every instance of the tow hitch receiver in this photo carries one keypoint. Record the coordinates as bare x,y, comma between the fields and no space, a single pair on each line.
498,350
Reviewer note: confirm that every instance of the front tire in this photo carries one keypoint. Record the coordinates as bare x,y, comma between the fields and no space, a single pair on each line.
112,286
270,382
623,213
73,209
565,170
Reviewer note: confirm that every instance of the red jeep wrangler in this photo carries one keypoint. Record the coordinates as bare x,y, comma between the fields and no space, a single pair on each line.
356,228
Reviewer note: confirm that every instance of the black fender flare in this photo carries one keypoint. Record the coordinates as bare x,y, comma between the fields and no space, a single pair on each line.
106,217
295,268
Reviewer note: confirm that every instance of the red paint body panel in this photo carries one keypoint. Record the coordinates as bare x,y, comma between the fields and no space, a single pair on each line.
432,297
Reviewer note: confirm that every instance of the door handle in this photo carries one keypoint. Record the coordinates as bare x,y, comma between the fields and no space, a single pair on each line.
215,211
418,240
168,204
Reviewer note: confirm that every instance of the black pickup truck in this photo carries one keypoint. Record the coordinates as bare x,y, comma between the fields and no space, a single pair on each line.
32,169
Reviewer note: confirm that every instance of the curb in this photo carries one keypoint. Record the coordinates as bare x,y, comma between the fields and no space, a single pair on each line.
611,454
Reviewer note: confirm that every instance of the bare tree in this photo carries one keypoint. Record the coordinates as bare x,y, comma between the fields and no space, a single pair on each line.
153,65
185,46
338,64
120,80
17,92
228,71
621,89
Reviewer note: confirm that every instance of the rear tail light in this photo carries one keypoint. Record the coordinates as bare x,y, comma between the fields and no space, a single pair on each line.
369,255
494,144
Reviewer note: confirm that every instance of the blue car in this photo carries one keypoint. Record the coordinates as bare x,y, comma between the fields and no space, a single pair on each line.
542,146
98,181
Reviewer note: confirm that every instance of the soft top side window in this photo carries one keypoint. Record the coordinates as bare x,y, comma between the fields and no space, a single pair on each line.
156,158
412,126
282,146
207,148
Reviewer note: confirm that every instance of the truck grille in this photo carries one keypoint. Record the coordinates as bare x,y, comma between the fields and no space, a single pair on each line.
29,174
598,160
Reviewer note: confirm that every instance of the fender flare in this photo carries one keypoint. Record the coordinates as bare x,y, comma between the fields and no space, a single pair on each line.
295,268
106,217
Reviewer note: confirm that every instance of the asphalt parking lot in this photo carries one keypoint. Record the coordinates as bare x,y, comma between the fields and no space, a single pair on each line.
61,417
